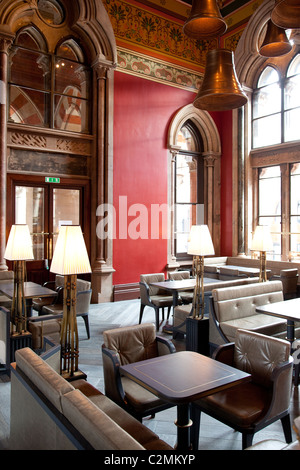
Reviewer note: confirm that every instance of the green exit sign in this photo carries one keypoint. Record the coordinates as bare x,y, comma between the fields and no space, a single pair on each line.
51,179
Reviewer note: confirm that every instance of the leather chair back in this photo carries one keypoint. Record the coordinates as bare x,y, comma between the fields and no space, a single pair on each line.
132,344
259,358
179,275
157,277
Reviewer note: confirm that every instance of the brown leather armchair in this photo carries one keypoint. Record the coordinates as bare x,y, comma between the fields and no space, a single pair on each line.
154,297
125,346
83,300
56,285
251,406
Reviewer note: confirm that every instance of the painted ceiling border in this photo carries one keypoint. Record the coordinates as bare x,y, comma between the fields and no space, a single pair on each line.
157,70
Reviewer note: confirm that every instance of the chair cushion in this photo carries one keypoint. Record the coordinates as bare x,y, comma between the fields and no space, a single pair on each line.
141,399
133,344
242,405
162,300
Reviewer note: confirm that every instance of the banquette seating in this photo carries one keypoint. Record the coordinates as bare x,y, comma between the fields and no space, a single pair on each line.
50,413
251,406
124,346
235,307
181,312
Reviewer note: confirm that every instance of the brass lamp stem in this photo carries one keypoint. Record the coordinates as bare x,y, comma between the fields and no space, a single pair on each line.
263,263
18,308
69,332
198,299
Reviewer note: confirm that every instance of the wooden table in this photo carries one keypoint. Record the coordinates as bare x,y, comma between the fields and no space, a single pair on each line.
181,378
174,287
31,290
287,309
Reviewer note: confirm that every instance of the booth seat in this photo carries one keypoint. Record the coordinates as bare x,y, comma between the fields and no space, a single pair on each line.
181,312
50,413
234,308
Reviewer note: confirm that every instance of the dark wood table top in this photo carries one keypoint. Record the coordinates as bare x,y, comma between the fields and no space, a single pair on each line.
288,309
31,290
184,376
186,284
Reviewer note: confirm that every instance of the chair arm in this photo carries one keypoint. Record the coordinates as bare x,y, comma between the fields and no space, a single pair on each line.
225,354
112,378
282,376
145,294
164,346
83,300
215,320
45,317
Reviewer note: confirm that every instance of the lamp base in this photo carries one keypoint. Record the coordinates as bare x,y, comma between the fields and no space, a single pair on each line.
19,341
197,338
78,374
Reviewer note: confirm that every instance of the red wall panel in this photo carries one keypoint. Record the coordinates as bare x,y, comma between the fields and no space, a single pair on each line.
143,110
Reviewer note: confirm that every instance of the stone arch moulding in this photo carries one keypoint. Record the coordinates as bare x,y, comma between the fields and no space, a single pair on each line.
212,176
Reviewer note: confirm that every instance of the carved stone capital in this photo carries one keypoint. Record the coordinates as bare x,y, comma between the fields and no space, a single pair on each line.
6,41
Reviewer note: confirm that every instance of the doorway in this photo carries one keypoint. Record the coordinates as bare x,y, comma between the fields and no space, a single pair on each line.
44,204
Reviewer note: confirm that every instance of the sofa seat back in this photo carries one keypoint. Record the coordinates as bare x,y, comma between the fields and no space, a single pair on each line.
233,303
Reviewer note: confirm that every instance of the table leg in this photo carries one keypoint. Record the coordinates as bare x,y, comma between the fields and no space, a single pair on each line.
291,331
291,338
183,424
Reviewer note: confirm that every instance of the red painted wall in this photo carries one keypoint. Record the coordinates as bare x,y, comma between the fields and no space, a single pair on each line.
143,110
223,122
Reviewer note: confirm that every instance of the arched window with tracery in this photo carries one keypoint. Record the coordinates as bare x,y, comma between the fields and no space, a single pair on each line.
275,137
189,191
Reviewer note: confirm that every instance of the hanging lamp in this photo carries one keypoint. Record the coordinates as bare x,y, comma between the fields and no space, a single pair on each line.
205,20
275,43
220,90
286,14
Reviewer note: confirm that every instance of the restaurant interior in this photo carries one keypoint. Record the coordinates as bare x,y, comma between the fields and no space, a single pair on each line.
166,251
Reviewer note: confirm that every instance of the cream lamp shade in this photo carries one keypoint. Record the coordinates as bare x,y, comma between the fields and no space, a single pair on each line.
19,244
262,240
200,242
70,254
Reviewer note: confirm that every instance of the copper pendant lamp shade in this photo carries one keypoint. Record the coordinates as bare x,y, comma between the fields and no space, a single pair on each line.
205,20
275,43
220,90
286,14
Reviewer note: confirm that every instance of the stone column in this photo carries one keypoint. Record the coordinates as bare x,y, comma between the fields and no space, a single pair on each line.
5,43
102,185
